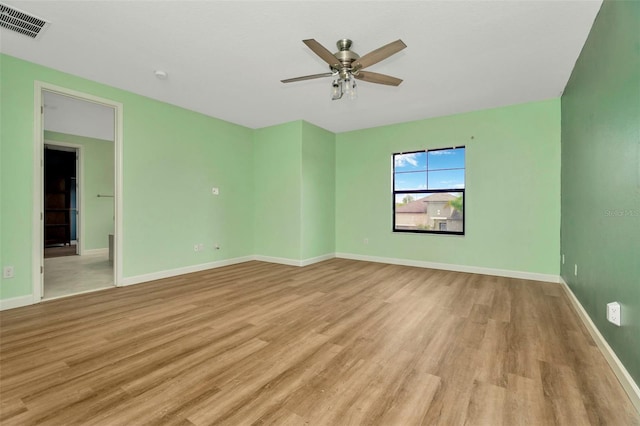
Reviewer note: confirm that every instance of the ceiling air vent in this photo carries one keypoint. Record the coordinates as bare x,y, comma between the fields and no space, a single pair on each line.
20,22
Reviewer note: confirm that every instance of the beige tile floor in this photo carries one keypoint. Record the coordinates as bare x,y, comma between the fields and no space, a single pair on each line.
64,276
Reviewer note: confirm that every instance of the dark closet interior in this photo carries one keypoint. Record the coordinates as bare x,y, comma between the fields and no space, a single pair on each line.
59,196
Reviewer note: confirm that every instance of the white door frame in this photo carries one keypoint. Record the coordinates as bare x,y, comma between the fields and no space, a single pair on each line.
38,179
79,150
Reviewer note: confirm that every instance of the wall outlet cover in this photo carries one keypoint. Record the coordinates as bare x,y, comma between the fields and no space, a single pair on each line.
7,272
613,313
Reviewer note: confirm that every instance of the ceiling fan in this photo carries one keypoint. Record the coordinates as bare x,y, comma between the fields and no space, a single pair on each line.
346,66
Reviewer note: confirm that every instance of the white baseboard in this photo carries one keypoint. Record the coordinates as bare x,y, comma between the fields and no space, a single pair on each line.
312,260
16,302
95,252
294,262
185,270
280,260
625,379
453,267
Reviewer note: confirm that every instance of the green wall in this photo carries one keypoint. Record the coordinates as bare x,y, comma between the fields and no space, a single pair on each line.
172,157
278,193
294,166
601,177
98,167
318,191
512,202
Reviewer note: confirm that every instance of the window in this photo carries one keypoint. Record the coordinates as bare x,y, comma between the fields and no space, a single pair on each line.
428,191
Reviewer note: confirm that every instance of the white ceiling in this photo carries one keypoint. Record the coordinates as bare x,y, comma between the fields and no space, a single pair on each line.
226,59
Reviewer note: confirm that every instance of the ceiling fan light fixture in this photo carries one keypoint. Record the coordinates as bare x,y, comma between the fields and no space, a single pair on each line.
346,66
336,90
350,88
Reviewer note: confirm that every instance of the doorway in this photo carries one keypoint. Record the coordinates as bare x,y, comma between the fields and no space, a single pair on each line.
61,193
79,141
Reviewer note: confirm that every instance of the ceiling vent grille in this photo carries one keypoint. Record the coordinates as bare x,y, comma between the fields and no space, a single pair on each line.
20,22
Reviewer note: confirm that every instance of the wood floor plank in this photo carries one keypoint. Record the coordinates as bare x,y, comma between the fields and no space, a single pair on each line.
339,342
487,405
525,403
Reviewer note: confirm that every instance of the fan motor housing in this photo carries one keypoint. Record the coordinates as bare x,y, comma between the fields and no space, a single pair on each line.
344,55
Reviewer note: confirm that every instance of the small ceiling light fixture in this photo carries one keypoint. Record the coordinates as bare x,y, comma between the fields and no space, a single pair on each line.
161,75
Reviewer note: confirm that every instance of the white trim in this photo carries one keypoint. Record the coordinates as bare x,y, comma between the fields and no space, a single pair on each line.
79,149
280,260
616,365
185,270
534,276
294,262
95,252
37,245
118,191
16,302
38,208
317,259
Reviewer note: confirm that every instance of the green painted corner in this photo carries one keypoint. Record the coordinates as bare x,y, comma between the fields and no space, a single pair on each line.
318,191
278,171
294,167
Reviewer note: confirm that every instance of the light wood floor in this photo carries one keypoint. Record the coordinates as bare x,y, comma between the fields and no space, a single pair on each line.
337,343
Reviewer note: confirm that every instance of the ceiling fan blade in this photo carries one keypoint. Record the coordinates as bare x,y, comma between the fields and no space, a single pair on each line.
323,52
307,77
379,54
374,77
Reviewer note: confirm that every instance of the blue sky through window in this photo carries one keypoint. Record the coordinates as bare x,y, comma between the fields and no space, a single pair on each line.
446,179
410,162
411,170
446,159
413,180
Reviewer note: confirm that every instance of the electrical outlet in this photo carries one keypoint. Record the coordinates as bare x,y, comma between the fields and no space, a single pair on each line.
575,270
215,191
217,246
563,258
7,272
614,313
